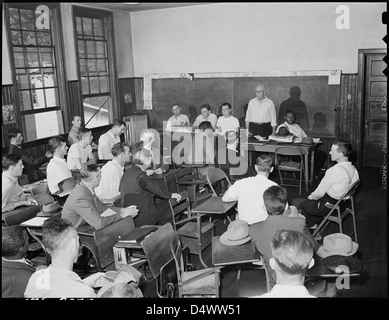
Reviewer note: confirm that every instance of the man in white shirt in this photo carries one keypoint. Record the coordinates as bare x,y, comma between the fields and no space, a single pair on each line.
108,139
206,115
177,119
292,126
57,169
334,184
292,255
261,114
112,171
227,121
249,192
80,153
151,143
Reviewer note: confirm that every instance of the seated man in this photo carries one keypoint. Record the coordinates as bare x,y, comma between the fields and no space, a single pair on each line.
57,169
80,153
136,188
280,217
177,118
227,121
158,164
249,192
31,164
73,136
206,115
292,255
58,280
84,207
203,149
334,184
13,195
16,270
112,171
108,139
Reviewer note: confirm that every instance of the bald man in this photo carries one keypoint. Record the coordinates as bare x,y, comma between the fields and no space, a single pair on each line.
261,114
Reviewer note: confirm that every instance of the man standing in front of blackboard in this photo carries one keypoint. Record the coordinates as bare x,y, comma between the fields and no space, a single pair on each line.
261,114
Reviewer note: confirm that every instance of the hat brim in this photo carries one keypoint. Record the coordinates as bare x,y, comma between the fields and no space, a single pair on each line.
228,242
324,253
48,213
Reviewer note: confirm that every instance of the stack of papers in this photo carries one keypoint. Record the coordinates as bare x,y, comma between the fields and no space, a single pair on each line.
34,222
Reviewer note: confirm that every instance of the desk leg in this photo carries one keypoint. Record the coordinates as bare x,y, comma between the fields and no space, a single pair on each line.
312,165
200,243
306,175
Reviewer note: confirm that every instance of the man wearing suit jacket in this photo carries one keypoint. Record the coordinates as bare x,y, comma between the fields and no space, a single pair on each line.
275,200
31,164
136,188
15,269
84,207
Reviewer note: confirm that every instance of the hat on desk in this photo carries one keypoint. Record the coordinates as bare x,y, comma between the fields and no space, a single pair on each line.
49,209
237,233
337,244
307,141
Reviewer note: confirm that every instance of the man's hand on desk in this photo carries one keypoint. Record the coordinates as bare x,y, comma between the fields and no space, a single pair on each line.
129,211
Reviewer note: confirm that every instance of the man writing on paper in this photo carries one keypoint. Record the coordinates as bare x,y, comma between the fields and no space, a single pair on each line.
84,207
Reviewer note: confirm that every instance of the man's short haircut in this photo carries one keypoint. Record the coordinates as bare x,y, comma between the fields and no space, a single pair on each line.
12,133
175,104
118,123
275,199
9,160
121,290
205,125
292,251
56,234
86,171
12,239
55,143
118,148
206,106
74,117
344,146
138,154
264,163
83,132
291,112
226,104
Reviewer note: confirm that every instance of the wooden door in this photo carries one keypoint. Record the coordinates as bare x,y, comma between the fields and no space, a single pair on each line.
375,111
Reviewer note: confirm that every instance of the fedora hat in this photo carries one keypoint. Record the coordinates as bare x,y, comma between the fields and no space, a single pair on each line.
307,140
337,244
67,184
283,132
49,209
237,233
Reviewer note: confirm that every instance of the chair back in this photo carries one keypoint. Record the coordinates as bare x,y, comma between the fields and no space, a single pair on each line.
350,192
179,207
176,250
216,175
184,174
170,181
288,151
19,215
41,188
156,248
105,239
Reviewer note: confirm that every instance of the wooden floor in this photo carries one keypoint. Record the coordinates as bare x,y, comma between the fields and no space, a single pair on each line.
371,208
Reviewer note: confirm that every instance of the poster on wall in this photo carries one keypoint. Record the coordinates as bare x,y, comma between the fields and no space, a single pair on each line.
8,114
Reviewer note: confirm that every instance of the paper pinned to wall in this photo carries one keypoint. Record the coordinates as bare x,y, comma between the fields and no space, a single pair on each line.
334,77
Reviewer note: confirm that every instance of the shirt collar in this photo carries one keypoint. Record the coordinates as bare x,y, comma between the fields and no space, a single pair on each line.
13,179
116,163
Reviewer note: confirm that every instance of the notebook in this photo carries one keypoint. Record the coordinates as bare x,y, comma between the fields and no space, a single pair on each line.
137,235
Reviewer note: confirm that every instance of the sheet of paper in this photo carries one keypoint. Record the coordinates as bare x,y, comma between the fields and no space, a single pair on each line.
108,212
34,222
334,77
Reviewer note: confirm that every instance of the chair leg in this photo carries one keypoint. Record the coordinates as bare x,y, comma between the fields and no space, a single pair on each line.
354,219
339,220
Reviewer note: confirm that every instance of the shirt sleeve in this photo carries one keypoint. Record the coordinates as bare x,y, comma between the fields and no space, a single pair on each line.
248,113
197,122
273,116
324,185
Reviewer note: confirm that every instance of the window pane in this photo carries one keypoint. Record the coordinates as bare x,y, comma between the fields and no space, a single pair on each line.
83,66
51,97
44,38
19,59
43,125
46,59
24,100
16,37
85,85
87,24
81,48
32,57
100,49
92,68
91,105
94,85
79,25
49,79
101,65
22,82
21,71
14,18
28,21
98,27
104,84
91,49
38,99
29,38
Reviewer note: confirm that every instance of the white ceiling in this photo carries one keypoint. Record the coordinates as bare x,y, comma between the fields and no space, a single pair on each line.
141,6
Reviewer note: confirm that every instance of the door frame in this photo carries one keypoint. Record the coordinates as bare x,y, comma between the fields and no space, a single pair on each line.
362,53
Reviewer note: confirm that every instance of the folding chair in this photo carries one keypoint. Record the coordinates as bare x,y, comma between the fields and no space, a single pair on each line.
340,214
289,165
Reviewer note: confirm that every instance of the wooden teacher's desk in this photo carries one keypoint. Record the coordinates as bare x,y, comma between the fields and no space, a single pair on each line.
271,146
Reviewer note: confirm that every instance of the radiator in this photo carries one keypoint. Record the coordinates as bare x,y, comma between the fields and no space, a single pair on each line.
135,125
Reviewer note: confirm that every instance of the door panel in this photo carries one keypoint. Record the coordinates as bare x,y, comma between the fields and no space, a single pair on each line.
374,110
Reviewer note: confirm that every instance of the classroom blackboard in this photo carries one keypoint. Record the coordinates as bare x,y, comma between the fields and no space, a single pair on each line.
319,97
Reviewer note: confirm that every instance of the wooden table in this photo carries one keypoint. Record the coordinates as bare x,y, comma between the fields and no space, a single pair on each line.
214,206
271,146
